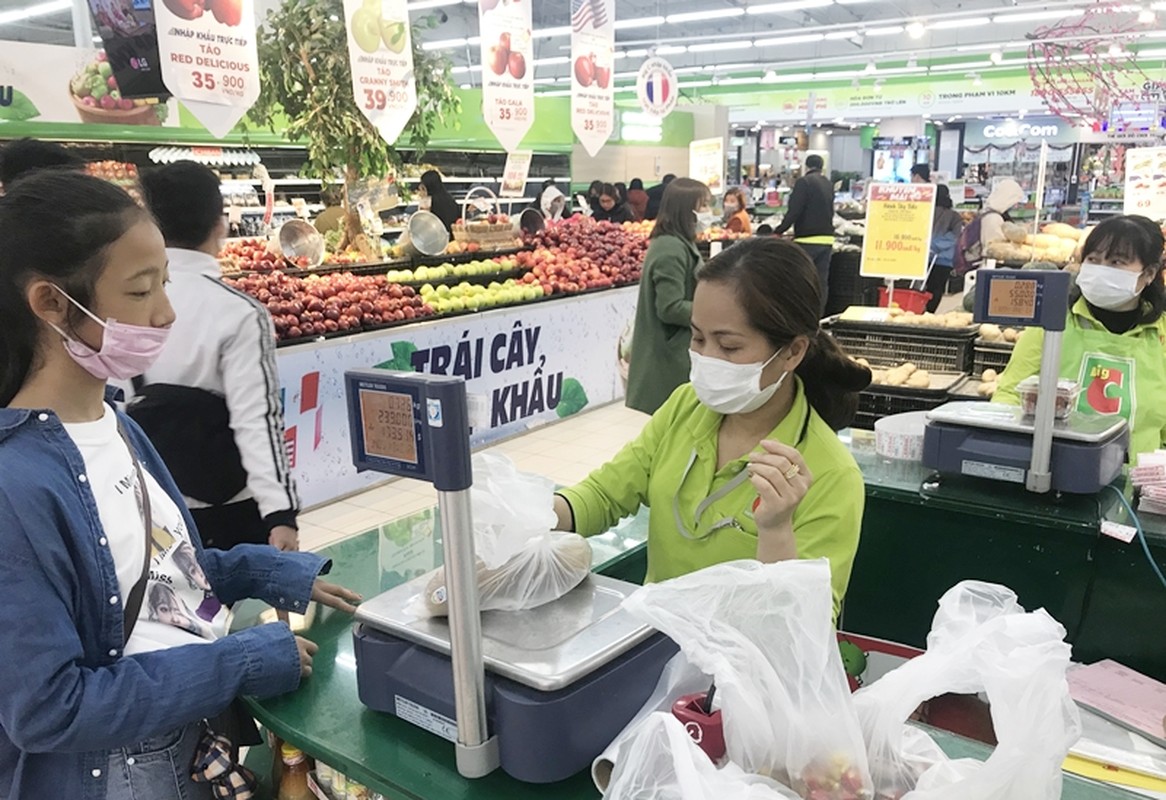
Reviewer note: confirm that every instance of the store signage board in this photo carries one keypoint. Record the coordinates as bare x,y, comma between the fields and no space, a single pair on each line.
210,62
515,173
1010,130
657,87
898,231
1146,182
507,69
706,163
592,68
380,51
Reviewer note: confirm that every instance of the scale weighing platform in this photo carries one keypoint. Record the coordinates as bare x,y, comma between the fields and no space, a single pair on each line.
539,693
1079,455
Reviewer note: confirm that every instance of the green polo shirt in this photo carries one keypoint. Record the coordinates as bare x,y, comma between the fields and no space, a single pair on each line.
652,471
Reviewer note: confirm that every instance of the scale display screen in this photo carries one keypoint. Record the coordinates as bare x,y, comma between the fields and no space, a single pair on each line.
390,426
1029,298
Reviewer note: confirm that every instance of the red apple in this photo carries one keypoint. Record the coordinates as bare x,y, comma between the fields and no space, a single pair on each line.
584,70
228,12
517,66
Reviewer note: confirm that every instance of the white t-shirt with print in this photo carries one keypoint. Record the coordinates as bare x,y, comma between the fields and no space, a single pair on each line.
178,607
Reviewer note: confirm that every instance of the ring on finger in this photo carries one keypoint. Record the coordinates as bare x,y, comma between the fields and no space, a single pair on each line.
792,472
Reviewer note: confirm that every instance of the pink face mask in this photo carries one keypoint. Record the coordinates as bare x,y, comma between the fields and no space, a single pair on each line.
126,350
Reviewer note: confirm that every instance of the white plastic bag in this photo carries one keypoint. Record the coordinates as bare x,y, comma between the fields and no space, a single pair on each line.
765,632
678,679
981,640
660,761
521,562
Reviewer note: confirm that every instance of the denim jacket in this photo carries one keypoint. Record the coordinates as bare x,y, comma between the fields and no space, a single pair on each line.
67,694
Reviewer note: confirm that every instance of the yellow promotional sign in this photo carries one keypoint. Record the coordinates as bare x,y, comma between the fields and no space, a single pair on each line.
898,231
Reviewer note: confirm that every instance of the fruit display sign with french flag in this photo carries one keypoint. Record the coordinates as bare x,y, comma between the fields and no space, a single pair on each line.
657,87
507,71
381,54
592,59
209,58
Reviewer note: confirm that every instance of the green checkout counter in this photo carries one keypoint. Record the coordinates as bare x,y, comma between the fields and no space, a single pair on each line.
919,538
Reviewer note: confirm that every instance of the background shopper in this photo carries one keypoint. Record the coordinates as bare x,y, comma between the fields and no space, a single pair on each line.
218,376
25,156
921,173
811,215
637,198
433,196
660,338
610,207
101,696
946,227
656,197
736,216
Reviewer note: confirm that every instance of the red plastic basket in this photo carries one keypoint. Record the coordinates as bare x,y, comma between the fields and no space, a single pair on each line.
906,299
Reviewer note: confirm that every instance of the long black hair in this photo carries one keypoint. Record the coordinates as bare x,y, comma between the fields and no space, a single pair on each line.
777,285
1133,237
56,226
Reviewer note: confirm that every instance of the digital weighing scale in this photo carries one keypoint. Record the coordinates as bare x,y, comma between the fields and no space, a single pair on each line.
1079,455
539,693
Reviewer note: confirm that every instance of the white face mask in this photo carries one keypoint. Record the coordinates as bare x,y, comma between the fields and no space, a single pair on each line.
704,220
425,203
728,388
1108,287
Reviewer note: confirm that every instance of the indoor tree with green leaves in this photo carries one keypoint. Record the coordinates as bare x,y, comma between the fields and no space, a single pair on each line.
306,95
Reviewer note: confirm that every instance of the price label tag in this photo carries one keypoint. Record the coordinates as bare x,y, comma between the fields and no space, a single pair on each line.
389,425
507,70
898,231
592,67
210,61
380,51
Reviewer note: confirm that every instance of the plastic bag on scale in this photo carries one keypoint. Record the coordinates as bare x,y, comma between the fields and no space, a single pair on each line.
981,640
521,562
765,633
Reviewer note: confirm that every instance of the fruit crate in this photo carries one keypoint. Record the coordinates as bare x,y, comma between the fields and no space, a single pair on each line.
990,355
876,403
935,350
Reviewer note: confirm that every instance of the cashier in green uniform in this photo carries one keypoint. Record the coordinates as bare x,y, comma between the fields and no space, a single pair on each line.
1114,345
744,462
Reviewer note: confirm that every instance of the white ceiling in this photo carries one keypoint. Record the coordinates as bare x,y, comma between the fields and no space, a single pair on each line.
724,37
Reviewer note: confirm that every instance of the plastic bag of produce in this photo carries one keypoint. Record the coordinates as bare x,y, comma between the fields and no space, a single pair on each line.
981,640
765,633
660,761
521,562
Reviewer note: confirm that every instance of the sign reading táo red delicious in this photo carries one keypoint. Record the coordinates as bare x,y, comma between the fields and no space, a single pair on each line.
381,53
209,58
507,71
592,62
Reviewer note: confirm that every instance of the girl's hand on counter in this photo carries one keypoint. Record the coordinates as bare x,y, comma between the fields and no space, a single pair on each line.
284,538
334,596
781,477
307,649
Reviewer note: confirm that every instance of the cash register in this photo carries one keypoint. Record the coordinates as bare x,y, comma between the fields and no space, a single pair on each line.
539,693
1053,449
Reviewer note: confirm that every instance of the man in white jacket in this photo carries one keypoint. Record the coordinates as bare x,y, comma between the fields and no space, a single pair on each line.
212,404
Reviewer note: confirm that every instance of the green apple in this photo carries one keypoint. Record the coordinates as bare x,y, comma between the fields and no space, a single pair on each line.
444,306
424,274
458,304
443,291
393,34
366,29
473,303
407,275
495,286
427,290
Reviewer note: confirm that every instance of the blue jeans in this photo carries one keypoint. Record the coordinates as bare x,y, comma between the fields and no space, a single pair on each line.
157,769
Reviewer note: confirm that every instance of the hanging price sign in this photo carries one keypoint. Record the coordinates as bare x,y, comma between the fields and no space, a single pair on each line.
898,231
380,50
209,59
592,65
507,71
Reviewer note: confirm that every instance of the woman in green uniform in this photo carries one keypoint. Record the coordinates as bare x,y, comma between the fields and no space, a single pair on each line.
743,462
659,361
1115,340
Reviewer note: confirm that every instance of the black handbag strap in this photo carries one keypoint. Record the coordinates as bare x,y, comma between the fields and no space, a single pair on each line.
133,603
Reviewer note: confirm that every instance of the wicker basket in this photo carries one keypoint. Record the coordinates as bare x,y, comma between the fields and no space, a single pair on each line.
487,235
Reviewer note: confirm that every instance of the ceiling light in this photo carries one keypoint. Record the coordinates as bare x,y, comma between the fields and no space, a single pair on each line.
671,49
1029,16
551,61
916,30
854,84
443,44
548,33
829,133
640,53
695,84
871,68
965,22
997,56
1147,17
878,85
1116,51
887,30
795,39
770,77
712,47
976,79
789,5
465,86
700,16
37,10
421,5
912,62
858,39
638,22
836,35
